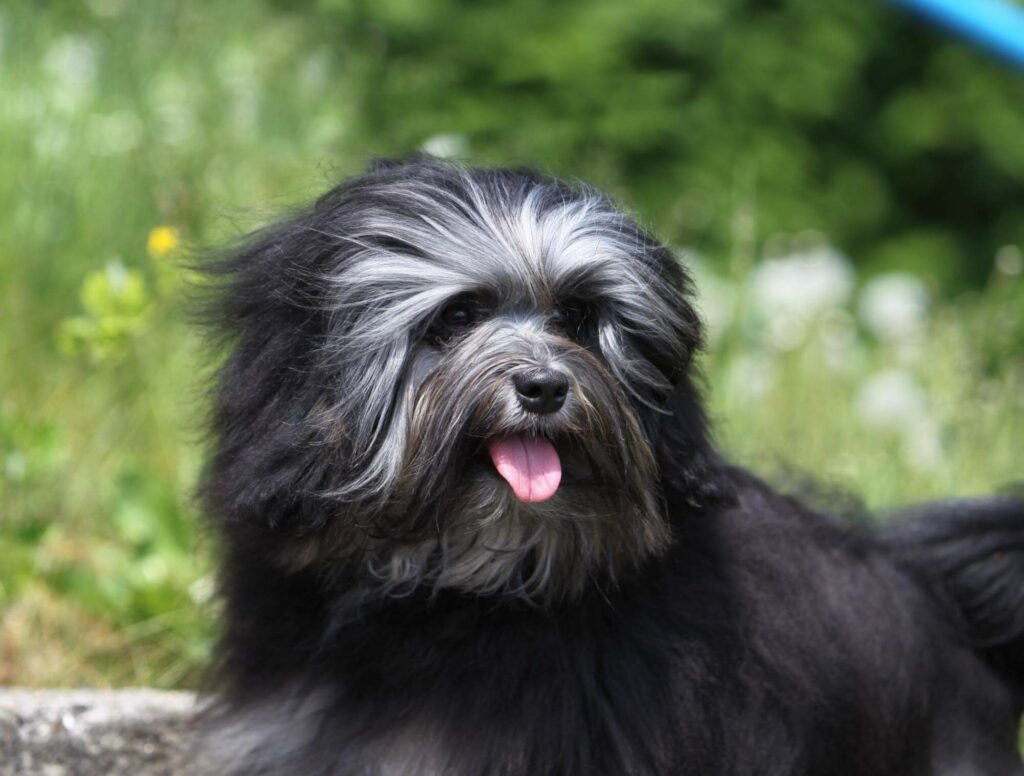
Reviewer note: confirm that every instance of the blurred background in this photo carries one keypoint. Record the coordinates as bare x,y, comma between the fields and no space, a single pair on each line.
845,179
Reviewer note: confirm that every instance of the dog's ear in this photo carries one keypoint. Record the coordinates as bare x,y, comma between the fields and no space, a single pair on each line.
690,467
673,353
260,302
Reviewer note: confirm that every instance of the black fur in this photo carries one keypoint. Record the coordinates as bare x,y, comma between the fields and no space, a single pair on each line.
761,638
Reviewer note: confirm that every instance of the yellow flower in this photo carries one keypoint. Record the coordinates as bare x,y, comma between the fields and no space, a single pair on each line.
162,241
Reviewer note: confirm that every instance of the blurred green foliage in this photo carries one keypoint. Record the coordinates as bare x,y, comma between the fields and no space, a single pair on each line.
115,301
131,132
848,117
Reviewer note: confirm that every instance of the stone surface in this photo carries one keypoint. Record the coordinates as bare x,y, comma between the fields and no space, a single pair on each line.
97,732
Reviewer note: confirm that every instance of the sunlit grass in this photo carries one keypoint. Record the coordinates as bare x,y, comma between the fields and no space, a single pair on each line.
962,433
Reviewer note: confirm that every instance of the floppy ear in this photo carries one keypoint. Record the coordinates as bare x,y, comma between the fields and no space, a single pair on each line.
261,303
687,338
691,468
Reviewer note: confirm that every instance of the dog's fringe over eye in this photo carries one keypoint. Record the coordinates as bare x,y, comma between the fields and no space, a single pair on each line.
570,317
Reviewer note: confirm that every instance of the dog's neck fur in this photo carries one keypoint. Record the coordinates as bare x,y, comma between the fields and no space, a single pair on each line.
387,720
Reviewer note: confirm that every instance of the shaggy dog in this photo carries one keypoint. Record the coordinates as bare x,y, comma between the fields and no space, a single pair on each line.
473,523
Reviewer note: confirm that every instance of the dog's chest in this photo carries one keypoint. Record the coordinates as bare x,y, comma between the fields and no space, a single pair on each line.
415,750
591,717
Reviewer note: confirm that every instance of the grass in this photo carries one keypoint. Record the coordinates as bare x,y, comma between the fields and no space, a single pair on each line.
202,120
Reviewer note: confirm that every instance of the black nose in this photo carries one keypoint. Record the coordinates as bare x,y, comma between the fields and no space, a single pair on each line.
541,390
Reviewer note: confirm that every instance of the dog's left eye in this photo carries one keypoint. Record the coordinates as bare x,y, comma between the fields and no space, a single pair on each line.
569,317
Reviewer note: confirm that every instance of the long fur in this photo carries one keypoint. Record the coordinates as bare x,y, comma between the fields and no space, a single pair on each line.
392,608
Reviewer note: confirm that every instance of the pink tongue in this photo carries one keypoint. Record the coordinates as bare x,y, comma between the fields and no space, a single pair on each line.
529,464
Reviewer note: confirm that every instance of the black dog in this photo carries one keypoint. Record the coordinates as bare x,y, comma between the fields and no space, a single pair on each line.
473,523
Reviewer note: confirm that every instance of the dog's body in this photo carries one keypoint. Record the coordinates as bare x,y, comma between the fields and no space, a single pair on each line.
473,523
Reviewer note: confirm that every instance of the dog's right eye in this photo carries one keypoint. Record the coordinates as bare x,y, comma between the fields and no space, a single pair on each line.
458,315
455,318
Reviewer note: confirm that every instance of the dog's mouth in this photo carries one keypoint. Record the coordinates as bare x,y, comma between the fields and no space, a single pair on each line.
529,464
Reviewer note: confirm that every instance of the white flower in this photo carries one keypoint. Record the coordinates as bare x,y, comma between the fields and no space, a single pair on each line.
71,63
813,280
238,69
751,375
716,301
315,73
245,112
892,399
172,99
837,335
1009,260
790,293
203,590
445,146
15,466
894,307
51,140
922,445
177,124
114,133
153,569
72,59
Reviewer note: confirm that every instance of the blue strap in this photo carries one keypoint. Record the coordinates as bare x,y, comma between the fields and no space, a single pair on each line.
995,24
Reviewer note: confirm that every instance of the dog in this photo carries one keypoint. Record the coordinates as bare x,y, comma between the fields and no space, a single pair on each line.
473,523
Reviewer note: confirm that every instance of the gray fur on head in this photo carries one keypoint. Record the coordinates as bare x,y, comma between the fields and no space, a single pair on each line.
388,475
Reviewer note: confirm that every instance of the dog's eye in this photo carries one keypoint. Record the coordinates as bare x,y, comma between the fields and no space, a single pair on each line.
458,315
455,318
569,317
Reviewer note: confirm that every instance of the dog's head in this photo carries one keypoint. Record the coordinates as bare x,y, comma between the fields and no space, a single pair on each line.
451,378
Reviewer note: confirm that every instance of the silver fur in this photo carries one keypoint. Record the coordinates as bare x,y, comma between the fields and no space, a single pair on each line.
274,733
406,408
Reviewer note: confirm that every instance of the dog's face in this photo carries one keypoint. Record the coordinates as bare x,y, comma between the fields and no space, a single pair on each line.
485,358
